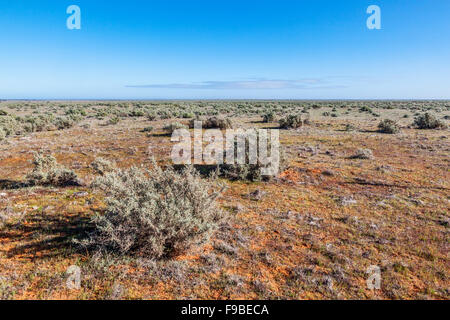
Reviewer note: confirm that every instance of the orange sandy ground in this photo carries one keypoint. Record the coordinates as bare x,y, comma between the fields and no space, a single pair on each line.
402,199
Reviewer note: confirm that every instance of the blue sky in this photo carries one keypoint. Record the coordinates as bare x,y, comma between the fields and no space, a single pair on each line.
315,49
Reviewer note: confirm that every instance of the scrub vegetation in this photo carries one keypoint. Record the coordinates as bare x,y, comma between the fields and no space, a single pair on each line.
91,184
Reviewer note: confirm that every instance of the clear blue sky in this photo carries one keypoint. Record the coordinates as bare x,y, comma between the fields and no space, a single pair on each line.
315,49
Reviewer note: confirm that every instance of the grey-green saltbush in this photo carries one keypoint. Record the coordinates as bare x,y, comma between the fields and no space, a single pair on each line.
252,172
102,166
363,154
427,121
2,134
170,128
47,171
213,123
388,126
155,213
269,117
291,122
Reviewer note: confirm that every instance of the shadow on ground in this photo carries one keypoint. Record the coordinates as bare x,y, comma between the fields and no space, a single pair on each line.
44,235
11,184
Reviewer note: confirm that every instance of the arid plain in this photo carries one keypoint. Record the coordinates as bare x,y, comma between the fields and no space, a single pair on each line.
354,194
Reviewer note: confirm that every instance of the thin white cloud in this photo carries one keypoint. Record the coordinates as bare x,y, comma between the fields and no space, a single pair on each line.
252,84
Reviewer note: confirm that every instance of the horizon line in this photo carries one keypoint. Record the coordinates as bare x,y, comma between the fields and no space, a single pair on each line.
225,99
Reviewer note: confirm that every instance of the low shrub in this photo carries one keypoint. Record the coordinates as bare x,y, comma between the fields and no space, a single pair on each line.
113,120
64,123
136,113
427,121
268,117
170,128
38,124
365,109
10,125
102,166
147,129
155,213
349,127
47,171
165,114
2,134
363,154
151,116
251,172
188,115
213,123
388,126
291,122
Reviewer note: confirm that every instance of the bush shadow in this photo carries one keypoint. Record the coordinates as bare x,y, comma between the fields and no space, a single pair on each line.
43,235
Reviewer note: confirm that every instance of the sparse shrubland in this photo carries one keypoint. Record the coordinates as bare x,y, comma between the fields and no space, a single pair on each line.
279,237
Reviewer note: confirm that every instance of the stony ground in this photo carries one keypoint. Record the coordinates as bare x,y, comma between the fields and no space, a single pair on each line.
309,234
